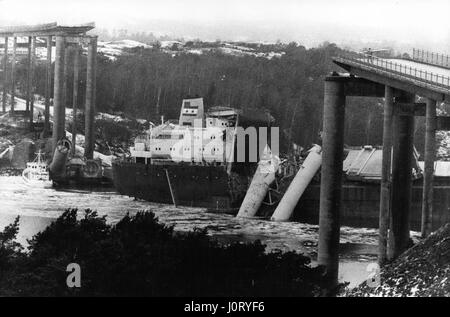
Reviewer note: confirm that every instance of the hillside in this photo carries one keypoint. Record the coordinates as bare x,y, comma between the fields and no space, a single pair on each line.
113,49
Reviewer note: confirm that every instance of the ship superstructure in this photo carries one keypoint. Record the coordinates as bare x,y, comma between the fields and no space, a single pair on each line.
192,162
194,140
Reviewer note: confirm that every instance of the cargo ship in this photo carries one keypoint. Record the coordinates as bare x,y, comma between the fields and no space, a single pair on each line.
192,162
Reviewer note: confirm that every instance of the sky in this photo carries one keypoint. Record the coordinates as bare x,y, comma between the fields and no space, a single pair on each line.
310,22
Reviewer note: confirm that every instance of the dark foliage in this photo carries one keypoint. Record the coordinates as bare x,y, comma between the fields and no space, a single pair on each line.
139,256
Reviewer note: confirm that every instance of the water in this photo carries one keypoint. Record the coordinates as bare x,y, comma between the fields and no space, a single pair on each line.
39,206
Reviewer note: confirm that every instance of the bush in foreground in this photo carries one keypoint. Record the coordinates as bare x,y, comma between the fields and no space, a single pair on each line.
139,256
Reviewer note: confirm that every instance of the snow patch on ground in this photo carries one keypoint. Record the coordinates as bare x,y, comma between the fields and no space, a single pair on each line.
113,49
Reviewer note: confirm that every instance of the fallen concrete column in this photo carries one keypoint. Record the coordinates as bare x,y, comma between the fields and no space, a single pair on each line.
259,187
298,185
57,167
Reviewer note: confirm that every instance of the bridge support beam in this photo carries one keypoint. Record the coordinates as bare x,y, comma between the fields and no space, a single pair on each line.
403,136
428,176
5,75
331,176
59,111
90,98
385,192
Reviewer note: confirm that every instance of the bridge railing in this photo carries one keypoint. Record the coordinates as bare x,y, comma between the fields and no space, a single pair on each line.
431,58
397,69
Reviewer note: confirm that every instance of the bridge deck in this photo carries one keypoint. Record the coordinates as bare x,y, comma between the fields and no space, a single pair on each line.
407,74
45,30
424,67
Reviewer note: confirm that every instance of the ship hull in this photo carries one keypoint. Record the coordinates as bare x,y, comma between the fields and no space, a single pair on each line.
192,185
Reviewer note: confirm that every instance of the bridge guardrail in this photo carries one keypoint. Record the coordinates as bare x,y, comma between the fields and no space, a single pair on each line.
388,65
431,58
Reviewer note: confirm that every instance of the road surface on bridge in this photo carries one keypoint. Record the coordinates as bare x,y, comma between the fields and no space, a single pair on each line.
441,71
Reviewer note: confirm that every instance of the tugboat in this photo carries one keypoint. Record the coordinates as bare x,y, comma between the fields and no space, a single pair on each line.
192,162
36,173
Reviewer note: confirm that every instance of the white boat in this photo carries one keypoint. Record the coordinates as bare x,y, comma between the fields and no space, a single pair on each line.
36,172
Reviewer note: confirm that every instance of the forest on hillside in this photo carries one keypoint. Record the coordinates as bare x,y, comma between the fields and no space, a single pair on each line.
147,83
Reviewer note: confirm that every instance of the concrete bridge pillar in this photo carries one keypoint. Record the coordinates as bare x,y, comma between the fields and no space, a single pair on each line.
13,70
48,87
331,176
428,176
385,192
76,71
27,99
403,147
5,75
90,98
30,85
67,53
59,111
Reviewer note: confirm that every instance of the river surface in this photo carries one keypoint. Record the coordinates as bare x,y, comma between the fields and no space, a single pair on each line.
40,206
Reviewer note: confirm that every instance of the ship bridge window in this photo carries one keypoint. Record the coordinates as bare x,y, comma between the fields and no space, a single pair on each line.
187,103
164,136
